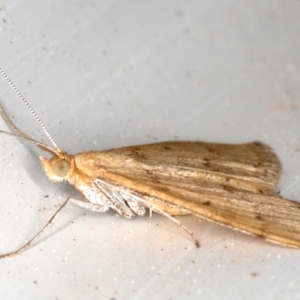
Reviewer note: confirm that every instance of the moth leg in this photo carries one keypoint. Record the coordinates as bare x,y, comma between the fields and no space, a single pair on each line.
114,199
156,209
90,206
135,205
117,202
153,207
50,222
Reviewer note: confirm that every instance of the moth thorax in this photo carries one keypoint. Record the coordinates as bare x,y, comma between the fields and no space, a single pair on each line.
61,168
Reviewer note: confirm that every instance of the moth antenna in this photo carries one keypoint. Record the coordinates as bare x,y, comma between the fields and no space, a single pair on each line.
42,146
30,109
22,135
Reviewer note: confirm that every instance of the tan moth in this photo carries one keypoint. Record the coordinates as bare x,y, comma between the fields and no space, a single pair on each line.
233,185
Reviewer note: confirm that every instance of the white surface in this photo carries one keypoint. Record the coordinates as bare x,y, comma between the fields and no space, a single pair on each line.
104,74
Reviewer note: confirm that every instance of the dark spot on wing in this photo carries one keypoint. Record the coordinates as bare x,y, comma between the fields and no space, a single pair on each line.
137,153
166,147
163,189
153,176
260,236
258,144
206,162
228,189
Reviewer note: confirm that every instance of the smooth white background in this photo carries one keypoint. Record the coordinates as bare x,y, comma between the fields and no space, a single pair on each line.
105,74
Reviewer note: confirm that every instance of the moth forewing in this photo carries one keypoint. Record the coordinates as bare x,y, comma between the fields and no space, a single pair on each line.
234,185
239,193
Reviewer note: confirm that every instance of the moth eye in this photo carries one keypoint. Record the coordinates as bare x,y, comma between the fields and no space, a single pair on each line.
61,168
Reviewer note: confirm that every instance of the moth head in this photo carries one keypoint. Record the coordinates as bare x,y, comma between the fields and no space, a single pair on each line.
59,167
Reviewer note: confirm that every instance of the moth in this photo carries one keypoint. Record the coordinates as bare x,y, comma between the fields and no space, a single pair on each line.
233,185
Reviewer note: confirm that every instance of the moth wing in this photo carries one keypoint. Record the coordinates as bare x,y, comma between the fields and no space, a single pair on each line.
253,161
274,218
233,185
247,167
